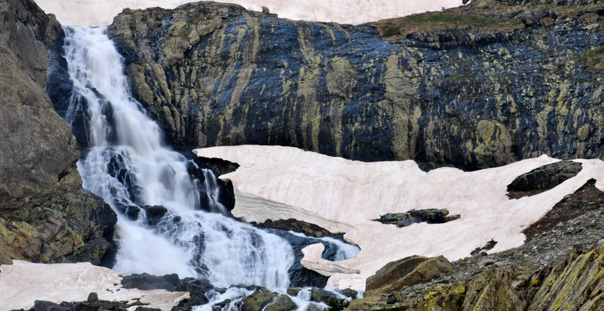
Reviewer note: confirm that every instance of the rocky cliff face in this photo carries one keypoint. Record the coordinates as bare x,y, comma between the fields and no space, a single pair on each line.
44,214
507,84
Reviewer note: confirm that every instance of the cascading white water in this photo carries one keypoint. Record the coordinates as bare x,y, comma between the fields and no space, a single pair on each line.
128,165
213,192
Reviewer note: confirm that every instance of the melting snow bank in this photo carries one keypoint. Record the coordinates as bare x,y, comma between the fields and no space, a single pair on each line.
22,283
101,12
340,195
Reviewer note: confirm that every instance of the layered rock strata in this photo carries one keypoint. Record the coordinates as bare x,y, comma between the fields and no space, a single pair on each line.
339,195
480,96
45,216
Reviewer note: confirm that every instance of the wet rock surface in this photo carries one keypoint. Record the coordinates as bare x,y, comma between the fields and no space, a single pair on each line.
215,74
297,226
543,178
44,214
258,300
431,216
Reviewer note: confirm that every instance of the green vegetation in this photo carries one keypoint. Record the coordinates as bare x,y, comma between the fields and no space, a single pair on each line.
482,16
401,27
593,58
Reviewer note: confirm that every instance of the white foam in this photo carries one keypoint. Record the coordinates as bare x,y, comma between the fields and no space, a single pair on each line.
102,12
129,167
275,182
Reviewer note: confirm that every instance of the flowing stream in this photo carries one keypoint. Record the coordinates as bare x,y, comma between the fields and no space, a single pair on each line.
161,226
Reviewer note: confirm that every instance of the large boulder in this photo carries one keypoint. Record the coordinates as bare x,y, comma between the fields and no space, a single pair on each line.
45,216
215,74
543,178
281,303
405,272
261,298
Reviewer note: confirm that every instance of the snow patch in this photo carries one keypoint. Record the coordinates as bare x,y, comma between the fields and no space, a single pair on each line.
340,195
22,283
102,12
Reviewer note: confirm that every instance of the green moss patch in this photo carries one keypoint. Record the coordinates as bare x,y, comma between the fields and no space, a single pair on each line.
397,28
593,58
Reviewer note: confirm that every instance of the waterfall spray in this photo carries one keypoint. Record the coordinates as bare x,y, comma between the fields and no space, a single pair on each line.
128,165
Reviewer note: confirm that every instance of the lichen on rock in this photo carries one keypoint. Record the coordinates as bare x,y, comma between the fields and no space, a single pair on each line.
215,74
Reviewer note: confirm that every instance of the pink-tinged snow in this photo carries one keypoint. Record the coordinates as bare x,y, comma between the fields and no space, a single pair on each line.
22,283
102,12
340,195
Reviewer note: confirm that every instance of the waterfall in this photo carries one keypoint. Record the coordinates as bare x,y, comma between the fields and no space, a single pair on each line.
161,227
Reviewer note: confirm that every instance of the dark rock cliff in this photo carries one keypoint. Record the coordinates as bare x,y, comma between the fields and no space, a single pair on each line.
504,85
45,216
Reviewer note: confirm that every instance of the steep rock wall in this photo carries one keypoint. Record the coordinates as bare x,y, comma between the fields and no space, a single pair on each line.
215,74
44,214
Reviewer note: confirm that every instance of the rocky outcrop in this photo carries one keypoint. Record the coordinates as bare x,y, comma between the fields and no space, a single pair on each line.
430,215
39,153
70,227
406,272
45,216
543,178
215,74
573,284
297,226
586,199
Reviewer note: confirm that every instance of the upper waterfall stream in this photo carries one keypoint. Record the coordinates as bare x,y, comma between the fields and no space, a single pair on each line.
128,164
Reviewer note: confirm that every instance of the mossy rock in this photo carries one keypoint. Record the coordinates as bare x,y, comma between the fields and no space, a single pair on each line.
282,303
405,272
593,59
258,300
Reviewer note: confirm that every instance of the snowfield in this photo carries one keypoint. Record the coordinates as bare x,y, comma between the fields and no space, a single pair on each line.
101,12
22,283
340,195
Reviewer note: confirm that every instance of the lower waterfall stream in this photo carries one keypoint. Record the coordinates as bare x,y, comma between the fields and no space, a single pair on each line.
162,226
